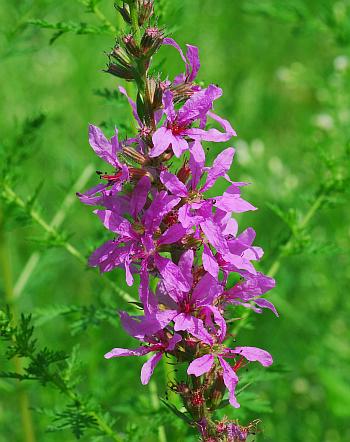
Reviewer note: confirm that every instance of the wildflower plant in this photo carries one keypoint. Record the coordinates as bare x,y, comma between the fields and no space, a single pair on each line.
184,245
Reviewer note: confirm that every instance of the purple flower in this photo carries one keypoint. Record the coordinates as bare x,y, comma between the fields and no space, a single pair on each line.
191,61
229,202
159,344
192,310
140,242
178,123
205,363
251,290
108,151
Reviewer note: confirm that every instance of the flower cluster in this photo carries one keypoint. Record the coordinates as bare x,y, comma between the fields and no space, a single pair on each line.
164,228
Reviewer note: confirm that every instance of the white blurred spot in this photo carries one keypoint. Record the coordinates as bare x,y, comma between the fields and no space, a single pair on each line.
324,121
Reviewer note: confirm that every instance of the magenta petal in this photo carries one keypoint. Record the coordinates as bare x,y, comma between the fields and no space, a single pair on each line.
194,63
172,235
161,205
115,223
169,105
173,184
254,354
264,303
201,365
209,262
179,145
102,253
207,290
101,145
117,352
148,368
214,234
194,326
231,201
220,167
185,265
162,138
196,163
139,195
171,274
173,341
230,380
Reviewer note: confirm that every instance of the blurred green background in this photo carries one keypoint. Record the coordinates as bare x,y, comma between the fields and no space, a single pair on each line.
284,67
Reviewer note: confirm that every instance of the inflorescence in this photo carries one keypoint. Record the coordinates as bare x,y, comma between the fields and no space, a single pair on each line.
164,228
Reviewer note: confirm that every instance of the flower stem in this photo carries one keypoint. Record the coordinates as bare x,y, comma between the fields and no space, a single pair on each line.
12,196
104,20
56,222
24,405
135,20
275,266
155,403
303,223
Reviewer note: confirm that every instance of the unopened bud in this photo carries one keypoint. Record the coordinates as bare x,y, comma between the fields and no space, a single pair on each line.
137,174
121,72
131,46
146,10
184,173
155,93
124,12
119,54
151,41
134,155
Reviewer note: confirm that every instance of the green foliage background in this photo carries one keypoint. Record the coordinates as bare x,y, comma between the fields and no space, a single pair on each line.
285,70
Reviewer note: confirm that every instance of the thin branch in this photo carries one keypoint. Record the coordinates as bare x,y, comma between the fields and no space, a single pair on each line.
12,196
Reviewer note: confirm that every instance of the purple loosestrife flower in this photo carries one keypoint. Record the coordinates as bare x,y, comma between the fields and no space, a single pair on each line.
205,363
251,290
139,242
108,151
178,124
160,343
191,310
191,61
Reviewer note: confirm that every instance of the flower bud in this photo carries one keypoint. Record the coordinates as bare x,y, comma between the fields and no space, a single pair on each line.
183,91
184,173
144,7
155,93
124,12
151,41
119,54
134,155
146,10
217,391
131,46
123,67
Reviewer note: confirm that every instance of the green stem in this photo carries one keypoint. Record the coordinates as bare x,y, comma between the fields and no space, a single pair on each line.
56,222
275,266
102,424
135,20
12,196
24,405
104,20
156,405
